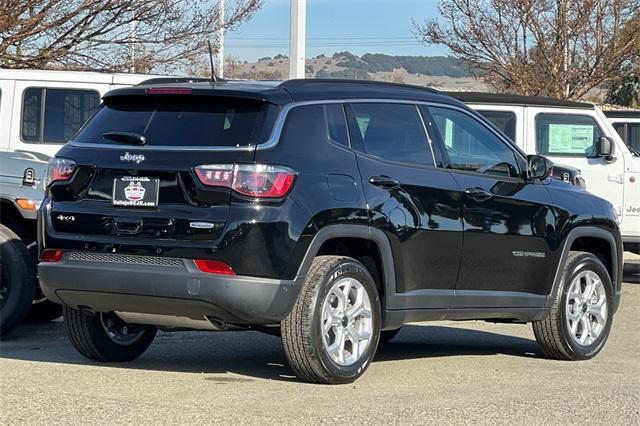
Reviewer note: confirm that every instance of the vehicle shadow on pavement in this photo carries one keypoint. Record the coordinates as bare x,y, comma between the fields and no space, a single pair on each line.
433,341
252,354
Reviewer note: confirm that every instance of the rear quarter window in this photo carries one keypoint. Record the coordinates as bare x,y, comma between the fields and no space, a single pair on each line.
170,121
315,124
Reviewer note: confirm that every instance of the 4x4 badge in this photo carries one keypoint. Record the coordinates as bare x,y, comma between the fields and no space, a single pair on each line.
132,158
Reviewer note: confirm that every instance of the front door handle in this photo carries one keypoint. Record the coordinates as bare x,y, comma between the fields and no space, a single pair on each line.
383,181
478,194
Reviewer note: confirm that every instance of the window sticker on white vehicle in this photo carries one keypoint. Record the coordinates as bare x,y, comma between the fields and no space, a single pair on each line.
570,138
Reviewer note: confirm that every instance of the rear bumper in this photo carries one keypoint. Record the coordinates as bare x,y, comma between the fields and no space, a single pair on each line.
161,286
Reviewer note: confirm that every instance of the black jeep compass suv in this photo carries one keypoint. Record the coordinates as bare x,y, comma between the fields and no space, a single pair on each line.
332,212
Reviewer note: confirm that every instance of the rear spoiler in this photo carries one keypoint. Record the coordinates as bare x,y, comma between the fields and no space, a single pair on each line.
168,80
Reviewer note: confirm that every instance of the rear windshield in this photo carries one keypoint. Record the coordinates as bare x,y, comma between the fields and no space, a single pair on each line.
177,122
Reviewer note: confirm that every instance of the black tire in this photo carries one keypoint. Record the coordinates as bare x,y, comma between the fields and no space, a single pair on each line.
387,335
552,333
44,311
88,335
18,280
301,329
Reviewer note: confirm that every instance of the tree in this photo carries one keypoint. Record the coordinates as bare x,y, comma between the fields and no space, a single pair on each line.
112,35
558,48
625,90
232,66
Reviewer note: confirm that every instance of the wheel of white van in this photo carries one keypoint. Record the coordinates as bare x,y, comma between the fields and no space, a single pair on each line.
106,338
579,321
17,280
332,332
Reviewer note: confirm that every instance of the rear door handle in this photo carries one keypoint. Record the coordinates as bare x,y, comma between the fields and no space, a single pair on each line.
478,194
383,181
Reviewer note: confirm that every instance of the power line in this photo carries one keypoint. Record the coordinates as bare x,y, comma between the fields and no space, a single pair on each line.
324,38
255,46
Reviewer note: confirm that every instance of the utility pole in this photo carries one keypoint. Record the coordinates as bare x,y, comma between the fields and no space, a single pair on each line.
221,42
297,38
133,35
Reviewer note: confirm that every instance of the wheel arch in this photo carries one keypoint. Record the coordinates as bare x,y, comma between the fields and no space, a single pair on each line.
596,241
333,236
12,218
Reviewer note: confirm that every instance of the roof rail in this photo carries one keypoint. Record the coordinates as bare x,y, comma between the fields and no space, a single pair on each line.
168,80
298,82
511,99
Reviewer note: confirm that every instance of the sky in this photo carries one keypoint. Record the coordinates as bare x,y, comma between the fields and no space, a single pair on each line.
359,26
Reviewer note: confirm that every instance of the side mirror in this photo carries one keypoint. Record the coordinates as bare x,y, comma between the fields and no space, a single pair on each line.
605,147
538,167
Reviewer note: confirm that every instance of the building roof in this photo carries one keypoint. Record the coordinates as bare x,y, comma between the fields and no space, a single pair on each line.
509,99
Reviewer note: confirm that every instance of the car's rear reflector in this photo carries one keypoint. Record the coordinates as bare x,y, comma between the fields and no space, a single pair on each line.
51,255
168,91
214,267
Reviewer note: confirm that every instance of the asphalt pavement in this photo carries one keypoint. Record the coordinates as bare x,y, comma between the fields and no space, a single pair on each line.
443,373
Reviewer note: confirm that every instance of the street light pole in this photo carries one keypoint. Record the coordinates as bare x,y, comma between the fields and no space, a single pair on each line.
297,38
221,42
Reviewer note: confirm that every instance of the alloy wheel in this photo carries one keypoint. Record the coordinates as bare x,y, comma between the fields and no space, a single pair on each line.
347,324
586,308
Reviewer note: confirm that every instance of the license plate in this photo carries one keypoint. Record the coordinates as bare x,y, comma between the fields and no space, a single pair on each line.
135,191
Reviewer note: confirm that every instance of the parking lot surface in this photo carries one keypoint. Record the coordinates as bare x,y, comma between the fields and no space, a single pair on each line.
445,372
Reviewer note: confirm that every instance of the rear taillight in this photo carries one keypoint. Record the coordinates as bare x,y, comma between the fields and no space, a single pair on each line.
59,169
252,180
51,255
214,267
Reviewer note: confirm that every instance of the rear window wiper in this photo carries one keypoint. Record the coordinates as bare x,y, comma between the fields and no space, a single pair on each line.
126,137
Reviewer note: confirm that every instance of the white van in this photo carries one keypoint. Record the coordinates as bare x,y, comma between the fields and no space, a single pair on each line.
627,124
570,133
40,110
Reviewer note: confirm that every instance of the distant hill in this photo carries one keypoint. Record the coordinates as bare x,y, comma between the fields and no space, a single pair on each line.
443,72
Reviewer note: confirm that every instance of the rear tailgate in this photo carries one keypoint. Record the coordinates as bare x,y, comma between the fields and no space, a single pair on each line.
150,192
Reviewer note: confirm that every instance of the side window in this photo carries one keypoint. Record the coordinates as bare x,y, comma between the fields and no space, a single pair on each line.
633,137
55,115
566,135
503,120
313,124
621,128
471,146
389,131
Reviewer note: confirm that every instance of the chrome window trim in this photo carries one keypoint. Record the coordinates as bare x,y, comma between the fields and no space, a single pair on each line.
278,126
